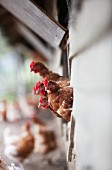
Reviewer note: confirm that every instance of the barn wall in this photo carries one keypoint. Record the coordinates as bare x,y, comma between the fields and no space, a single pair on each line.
91,46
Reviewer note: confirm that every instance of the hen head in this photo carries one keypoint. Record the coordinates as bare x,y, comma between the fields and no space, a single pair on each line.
52,87
39,88
36,67
43,102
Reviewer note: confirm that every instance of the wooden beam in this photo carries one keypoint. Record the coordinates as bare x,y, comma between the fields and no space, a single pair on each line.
33,40
71,142
30,14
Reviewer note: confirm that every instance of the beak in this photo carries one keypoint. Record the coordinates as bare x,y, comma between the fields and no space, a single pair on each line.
37,92
48,91
45,88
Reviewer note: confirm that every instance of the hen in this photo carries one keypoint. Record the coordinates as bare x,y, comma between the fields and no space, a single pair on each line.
45,73
19,147
43,102
40,88
59,99
44,137
58,94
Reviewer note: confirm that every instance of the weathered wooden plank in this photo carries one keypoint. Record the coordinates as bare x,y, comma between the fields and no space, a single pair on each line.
36,20
33,40
71,142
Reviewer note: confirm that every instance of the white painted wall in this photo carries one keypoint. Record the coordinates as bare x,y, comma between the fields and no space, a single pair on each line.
92,81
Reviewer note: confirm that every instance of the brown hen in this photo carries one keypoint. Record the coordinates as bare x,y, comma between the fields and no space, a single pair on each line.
44,137
46,73
60,99
19,147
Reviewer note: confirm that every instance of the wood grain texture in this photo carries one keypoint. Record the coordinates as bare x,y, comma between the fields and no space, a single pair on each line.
71,142
36,20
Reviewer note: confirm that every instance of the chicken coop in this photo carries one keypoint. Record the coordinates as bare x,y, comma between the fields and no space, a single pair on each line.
55,90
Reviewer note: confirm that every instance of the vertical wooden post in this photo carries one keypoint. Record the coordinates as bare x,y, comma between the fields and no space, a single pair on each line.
71,142
66,73
64,56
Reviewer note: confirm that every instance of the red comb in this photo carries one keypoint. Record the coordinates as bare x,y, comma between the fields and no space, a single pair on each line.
45,82
42,93
37,85
32,64
44,107
40,100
